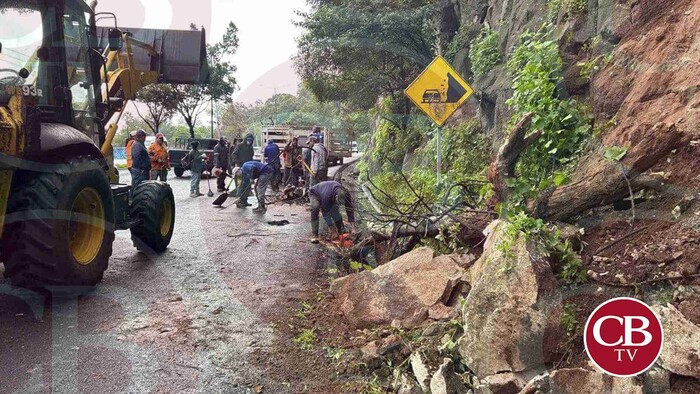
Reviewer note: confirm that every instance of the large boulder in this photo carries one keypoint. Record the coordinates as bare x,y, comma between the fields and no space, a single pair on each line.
506,311
402,290
680,353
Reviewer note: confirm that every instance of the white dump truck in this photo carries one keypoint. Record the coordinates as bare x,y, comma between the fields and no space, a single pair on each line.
337,142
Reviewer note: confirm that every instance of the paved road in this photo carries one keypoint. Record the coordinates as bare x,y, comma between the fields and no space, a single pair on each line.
184,321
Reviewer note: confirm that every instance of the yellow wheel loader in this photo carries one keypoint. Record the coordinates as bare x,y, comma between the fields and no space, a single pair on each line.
64,83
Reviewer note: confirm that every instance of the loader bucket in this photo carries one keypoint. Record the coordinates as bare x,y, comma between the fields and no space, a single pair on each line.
183,53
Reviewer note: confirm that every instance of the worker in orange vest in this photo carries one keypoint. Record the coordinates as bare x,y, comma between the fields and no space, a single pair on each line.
129,143
160,164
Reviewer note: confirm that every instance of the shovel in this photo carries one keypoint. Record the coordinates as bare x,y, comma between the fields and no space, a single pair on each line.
219,201
223,197
209,193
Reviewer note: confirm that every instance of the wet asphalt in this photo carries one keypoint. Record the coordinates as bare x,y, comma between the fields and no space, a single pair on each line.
186,321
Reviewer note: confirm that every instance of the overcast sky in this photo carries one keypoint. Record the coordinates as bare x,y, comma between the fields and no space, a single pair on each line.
266,33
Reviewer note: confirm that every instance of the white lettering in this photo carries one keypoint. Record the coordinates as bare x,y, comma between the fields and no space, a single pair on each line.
619,354
629,330
596,330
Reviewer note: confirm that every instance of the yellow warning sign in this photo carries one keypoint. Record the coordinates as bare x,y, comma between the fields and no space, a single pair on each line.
439,91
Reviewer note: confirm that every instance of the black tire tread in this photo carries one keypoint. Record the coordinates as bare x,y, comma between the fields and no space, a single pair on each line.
29,244
146,206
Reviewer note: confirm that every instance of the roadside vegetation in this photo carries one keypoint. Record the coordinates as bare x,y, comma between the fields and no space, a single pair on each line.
484,53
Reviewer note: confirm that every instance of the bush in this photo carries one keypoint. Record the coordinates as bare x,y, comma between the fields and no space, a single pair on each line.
521,224
537,72
484,52
572,7
467,148
457,43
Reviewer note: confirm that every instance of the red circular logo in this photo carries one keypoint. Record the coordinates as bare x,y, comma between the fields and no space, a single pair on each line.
623,337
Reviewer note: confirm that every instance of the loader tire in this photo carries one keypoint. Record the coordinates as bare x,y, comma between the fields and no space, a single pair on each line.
154,205
179,172
60,226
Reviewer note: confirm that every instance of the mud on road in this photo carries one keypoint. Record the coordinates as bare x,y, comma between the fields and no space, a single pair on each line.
189,320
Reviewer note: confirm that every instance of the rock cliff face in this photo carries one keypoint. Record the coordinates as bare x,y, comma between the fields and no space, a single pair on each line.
652,47
642,57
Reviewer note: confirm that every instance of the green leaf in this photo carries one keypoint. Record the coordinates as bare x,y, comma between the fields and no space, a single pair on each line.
614,153
560,179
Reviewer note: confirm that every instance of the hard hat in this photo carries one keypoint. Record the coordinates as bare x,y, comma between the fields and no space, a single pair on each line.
133,133
140,133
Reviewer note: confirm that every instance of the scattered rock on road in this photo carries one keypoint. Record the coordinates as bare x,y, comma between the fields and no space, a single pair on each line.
505,383
572,380
446,381
680,353
420,371
406,385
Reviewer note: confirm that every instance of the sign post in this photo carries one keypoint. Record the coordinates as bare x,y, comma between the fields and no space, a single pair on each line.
439,154
439,91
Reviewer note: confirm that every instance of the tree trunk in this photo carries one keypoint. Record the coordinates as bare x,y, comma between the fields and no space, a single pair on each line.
503,166
601,182
596,181
190,125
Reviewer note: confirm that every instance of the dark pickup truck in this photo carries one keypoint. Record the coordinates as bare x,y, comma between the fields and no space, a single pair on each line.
183,146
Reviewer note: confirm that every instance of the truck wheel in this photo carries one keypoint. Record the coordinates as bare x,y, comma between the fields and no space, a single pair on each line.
154,205
59,228
179,172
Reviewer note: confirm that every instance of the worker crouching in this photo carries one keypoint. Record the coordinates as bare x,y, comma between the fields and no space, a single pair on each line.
326,198
262,175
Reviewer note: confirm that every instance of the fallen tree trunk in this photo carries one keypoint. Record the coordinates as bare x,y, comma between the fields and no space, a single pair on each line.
503,166
597,181
602,182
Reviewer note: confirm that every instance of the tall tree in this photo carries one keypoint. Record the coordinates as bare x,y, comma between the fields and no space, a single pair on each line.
160,102
193,100
363,50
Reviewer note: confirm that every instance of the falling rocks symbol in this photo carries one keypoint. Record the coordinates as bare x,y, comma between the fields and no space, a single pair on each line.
455,90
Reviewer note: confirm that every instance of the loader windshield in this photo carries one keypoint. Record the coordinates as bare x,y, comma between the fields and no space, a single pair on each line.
21,35
26,29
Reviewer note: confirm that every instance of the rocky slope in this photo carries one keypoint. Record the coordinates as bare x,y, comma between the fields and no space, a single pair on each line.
641,61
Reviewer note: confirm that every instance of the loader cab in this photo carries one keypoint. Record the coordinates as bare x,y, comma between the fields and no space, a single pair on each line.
49,42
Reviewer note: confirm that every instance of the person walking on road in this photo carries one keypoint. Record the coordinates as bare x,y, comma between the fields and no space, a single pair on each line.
272,158
160,163
221,162
196,158
243,152
326,198
254,170
319,161
140,160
